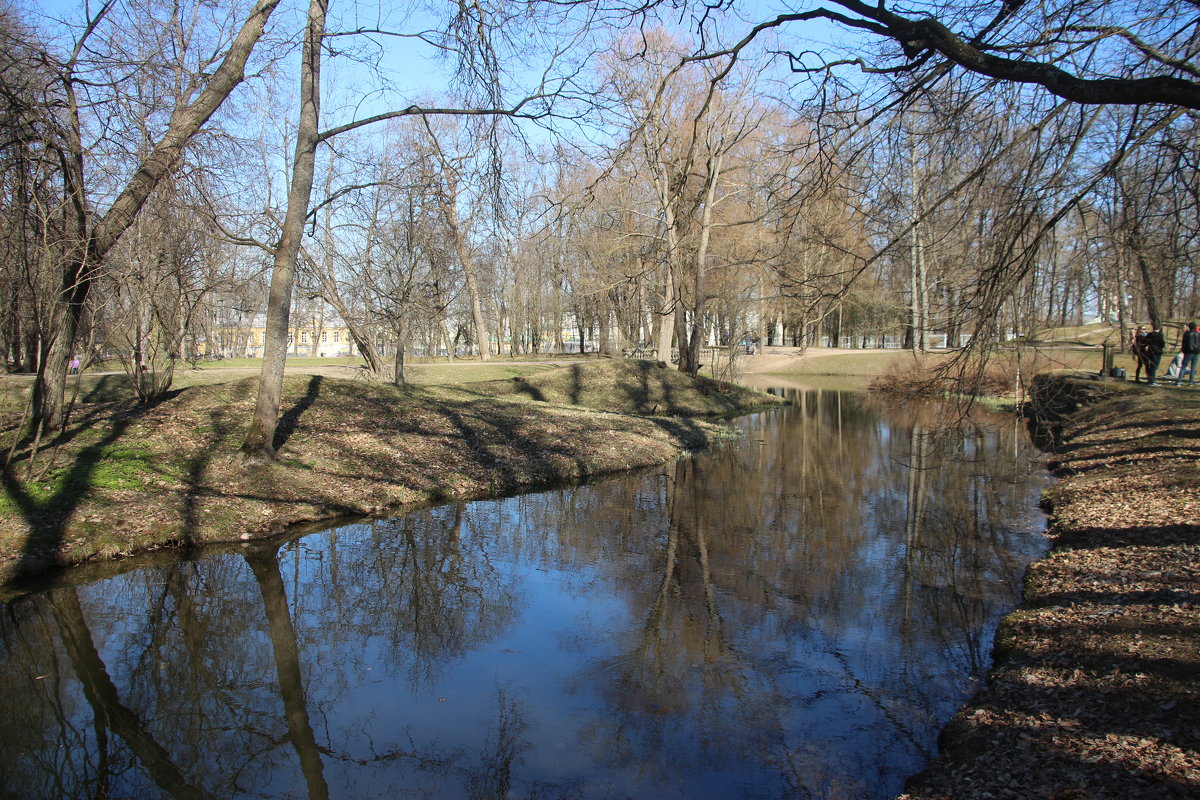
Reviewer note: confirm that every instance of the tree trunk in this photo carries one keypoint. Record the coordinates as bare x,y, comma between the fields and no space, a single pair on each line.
917,270
666,323
1152,307
604,337
398,376
260,436
695,332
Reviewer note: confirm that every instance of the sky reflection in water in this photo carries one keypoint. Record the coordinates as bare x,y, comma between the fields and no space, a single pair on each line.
793,615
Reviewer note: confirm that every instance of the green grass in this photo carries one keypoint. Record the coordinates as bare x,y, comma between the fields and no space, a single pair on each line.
121,465
432,374
1084,334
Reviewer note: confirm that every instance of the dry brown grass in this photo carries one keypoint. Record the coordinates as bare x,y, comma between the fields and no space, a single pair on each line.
1005,374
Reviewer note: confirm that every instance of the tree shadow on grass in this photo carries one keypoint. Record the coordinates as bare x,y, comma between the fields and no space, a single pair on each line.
194,480
47,518
223,431
1028,756
537,454
291,417
476,433
576,391
685,430
1090,538
107,388
523,387
639,393
1132,457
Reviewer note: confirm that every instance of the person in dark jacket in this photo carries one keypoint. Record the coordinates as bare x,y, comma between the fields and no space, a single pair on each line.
1137,346
1153,346
1190,347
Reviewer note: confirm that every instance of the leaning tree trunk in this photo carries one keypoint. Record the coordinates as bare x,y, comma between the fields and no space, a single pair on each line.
260,436
1152,307
481,331
362,338
79,273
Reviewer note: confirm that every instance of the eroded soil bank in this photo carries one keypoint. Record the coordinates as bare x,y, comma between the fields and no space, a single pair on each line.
1095,692
124,479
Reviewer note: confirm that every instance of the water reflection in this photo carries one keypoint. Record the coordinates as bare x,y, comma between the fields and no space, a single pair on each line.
791,616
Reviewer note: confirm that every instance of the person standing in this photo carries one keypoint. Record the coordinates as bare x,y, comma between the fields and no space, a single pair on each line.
1190,347
1153,345
1137,346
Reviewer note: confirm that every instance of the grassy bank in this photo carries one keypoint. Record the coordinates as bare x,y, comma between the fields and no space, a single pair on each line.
1095,692
1000,381
895,365
101,387
624,387
125,479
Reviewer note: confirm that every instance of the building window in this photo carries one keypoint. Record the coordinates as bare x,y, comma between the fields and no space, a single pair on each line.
291,338
303,337
324,337
335,337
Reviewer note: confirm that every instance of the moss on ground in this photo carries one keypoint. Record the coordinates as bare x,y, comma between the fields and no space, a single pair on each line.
126,479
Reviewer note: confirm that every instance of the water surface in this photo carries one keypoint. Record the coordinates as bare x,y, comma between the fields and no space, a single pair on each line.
793,615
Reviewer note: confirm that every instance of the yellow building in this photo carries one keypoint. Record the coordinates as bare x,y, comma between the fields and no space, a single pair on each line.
318,341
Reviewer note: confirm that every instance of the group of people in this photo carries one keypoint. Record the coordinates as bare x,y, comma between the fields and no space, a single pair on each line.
1148,347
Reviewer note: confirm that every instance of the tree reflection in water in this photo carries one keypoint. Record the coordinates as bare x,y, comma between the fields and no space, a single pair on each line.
794,615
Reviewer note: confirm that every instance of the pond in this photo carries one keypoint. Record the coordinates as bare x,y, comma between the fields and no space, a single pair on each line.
795,614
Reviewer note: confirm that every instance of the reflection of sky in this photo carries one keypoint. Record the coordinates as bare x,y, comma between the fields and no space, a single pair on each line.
525,640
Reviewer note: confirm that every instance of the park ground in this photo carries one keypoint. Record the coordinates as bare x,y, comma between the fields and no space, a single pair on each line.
1095,691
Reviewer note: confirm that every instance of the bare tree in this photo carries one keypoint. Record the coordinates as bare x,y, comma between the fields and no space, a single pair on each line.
86,236
472,35
1093,52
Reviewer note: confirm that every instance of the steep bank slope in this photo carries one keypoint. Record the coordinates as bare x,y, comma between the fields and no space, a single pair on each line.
1096,688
